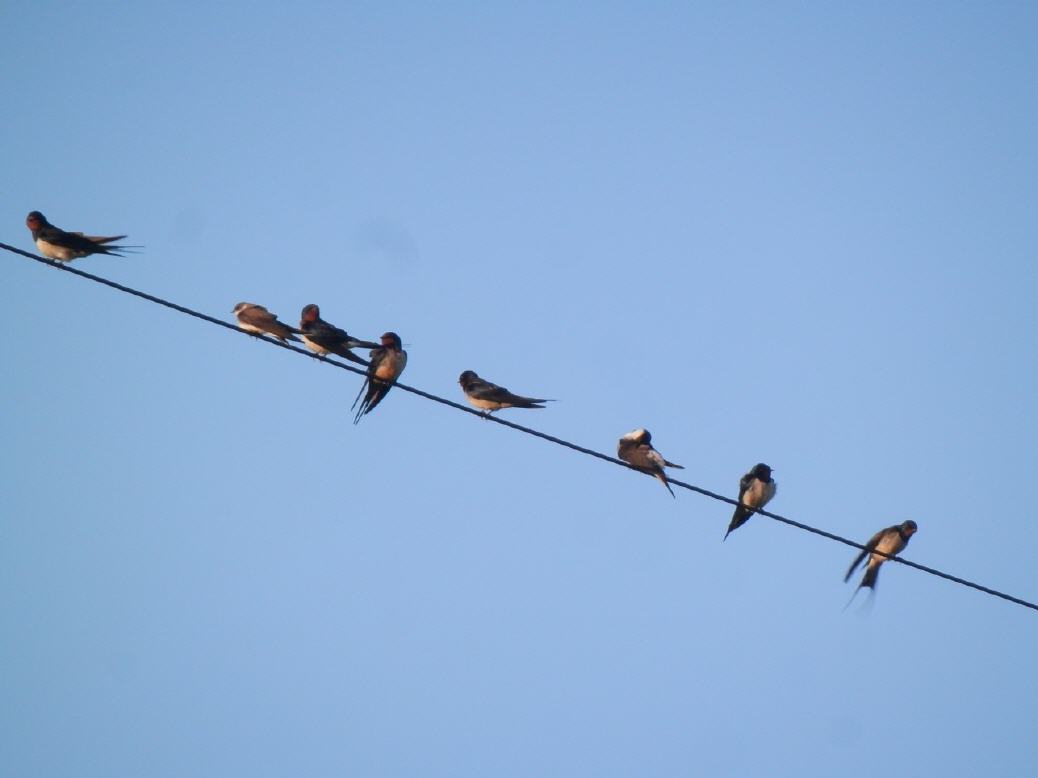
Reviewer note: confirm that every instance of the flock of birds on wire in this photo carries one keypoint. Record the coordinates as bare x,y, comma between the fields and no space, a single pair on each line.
387,362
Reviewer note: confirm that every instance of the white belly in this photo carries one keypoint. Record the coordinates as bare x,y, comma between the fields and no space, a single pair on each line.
59,253
319,350
251,328
487,405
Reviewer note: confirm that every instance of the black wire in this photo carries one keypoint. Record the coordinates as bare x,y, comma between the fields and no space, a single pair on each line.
518,427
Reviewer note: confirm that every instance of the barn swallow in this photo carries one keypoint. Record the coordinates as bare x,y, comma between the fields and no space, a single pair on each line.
322,338
891,540
490,397
756,488
63,246
257,320
387,363
636,449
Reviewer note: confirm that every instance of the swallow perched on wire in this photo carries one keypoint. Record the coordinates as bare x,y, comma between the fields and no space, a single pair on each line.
490,397
892,541
322,338
257,320
636,449
756,488
55,243
387,363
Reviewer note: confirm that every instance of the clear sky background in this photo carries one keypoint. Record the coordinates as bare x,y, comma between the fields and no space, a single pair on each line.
797,233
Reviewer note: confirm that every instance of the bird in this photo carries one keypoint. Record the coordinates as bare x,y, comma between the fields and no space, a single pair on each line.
756,488
322,338
892,541
490,397
257,320
636,449
55,243
387,363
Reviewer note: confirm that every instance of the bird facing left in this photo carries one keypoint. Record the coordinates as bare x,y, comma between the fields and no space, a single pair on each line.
56,243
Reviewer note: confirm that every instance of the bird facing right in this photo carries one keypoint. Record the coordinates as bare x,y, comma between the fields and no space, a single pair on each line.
756,489
890,540
387,363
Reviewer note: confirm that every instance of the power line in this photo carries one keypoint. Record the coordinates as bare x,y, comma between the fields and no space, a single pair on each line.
513,425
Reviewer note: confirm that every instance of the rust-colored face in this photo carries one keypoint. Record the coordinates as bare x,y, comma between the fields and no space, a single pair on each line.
311,313
34,220
391,339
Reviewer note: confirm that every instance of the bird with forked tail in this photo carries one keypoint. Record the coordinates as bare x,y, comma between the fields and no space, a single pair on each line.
323,338
490,397
888,541
387,363
756,489
56,243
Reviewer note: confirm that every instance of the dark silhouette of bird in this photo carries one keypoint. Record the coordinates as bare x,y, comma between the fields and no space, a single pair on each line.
323,338
490,397
890,540
756,488
387,363
56,243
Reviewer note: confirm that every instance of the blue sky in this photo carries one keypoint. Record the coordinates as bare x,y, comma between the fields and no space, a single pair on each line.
796,233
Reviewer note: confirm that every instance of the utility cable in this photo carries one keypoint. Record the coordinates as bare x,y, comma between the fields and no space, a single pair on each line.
518,427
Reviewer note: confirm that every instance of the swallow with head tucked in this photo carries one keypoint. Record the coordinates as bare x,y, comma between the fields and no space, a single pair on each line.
257,320
635,448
